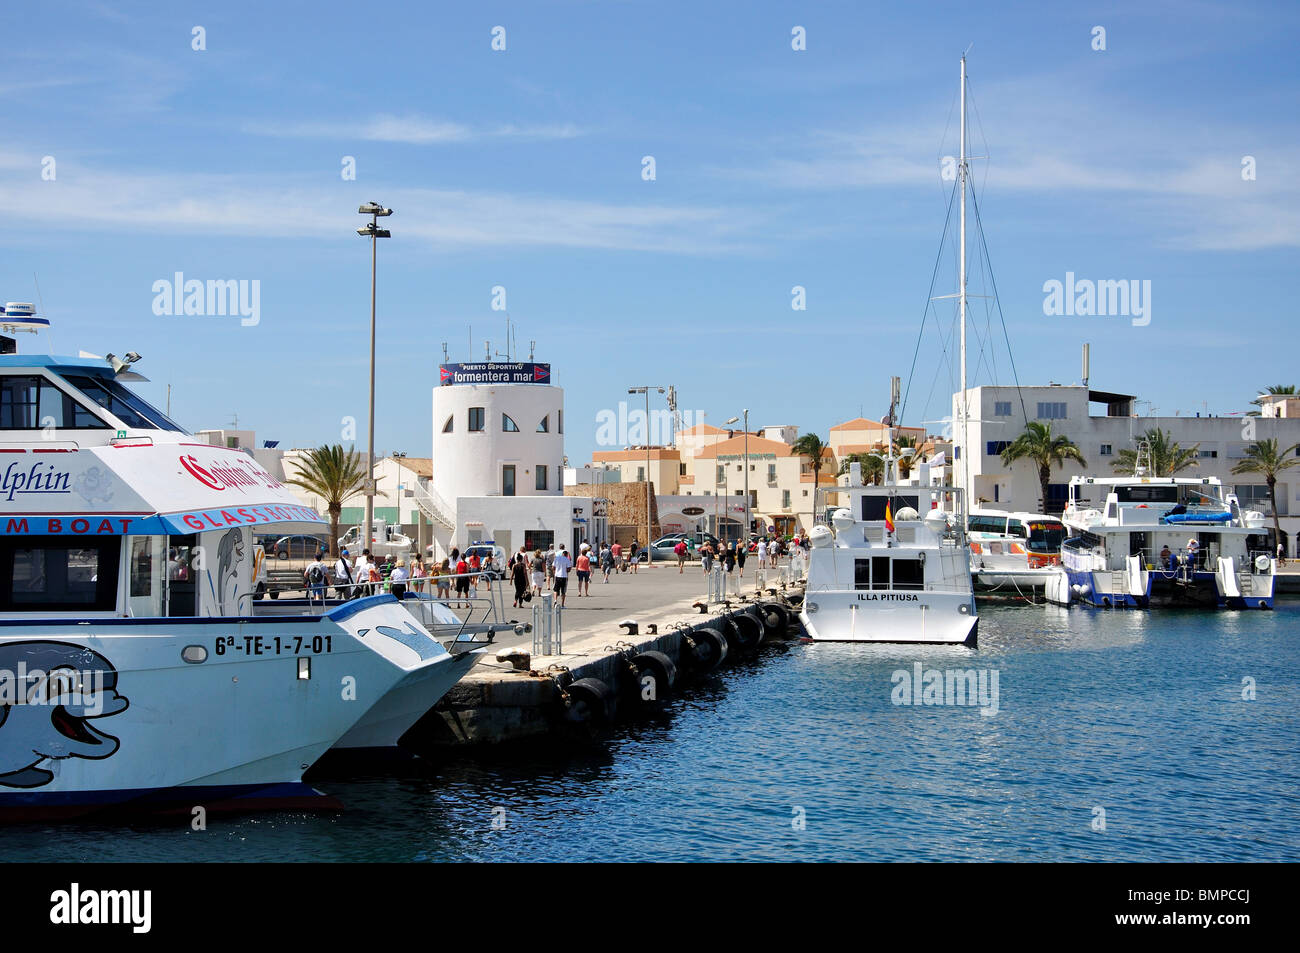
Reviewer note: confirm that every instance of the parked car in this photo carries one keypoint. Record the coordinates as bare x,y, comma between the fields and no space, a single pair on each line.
483,551
298,547
664,546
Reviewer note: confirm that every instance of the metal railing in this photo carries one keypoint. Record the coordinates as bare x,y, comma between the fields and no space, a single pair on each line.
431,503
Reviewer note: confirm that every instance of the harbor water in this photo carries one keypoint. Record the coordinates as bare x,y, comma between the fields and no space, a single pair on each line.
1112,736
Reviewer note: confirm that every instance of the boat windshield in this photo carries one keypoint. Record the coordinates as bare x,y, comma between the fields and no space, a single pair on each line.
128,407
1045,536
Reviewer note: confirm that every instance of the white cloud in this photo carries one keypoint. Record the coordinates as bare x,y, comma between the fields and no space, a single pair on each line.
412,130
84,198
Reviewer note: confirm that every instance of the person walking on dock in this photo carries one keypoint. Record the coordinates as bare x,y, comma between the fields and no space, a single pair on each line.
550,565
742,550
680,551
561,568
462,579
616,550
397,579
584,572
539,571
636,554
606,560
317,575
519,576
706,557
343,588
761,553
444,580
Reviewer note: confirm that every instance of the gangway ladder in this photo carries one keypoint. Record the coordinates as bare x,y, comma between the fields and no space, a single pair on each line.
1225,577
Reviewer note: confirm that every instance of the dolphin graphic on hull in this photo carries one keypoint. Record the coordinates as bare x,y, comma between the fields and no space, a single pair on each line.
51,691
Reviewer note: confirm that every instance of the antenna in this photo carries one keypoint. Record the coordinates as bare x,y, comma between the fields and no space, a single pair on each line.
1085,364
487,350
445,358
532,346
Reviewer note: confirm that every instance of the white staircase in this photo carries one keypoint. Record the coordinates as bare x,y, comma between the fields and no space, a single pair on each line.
1225,577
433,506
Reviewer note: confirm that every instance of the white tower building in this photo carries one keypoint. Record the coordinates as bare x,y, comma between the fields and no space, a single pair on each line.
498,460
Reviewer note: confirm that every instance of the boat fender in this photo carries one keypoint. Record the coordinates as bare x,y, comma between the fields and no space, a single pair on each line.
743,632
589,702
655,677
708,648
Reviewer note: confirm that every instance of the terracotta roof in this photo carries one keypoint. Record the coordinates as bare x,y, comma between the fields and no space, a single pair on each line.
736,447
702,428
617,456
420,466
858,423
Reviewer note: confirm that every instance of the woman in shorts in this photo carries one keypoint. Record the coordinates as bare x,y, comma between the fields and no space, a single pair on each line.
539,572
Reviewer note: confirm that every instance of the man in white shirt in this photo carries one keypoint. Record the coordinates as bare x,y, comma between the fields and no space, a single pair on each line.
343,577
563,563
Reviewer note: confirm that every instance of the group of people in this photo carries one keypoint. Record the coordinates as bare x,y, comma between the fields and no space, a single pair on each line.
532,572
365,575
732,555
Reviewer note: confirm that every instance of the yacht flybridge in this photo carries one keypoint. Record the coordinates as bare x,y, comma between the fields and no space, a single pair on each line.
135,664
1144,541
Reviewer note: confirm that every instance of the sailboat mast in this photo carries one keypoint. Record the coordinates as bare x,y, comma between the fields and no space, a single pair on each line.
961,296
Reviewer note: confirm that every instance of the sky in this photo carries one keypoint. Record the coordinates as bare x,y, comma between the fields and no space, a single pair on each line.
235,141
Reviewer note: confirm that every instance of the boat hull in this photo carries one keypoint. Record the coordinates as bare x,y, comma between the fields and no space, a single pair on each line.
268,698
921,618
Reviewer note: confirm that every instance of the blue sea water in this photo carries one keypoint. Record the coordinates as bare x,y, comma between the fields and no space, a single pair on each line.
803,755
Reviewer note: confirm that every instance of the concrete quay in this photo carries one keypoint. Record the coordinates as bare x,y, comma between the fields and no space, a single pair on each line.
552,695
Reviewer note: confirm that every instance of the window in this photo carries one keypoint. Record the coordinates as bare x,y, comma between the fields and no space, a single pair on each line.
862,574
1208,454
681,469
909,574
879,572
995,447
640,474
771,474
1107,450
508,480
1049,410
538,539
1002,408
720,476
477,420
559,421
447,427
1256,498
541,476
508,425
122,403
31,402
559,478
53,574
785,499
545,425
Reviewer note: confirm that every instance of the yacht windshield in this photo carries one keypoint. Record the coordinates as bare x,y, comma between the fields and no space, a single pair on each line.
122,403
1045,536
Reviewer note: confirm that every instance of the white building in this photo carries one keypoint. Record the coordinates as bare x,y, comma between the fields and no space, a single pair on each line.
998,417
498,460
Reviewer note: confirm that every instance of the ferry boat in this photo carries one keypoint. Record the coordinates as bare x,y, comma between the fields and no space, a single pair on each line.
137,666
892,567
1013,553
1145,541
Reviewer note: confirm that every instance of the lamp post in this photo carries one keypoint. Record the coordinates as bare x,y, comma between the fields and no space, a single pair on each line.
748,518
372,231
649,550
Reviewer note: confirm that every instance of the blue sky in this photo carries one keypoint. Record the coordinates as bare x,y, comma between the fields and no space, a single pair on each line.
774,168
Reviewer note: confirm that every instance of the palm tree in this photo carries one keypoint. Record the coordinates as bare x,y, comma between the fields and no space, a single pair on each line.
1168,457
873,466
1040,446
1262,456
1285,390
333,474
905,463
810,445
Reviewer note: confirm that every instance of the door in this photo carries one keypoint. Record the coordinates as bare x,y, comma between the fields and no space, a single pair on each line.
508,480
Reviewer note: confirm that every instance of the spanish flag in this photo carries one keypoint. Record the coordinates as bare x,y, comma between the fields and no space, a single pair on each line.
889,517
